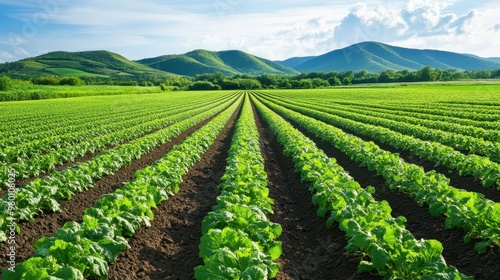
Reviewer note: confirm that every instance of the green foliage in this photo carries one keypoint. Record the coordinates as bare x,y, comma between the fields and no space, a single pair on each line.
55,81
71,81
45,194
382,240
203,85
238,239
471,211
89,246
5,83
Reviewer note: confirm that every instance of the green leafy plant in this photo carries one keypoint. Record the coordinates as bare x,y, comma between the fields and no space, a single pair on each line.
478,216
386,246
238,239
88,247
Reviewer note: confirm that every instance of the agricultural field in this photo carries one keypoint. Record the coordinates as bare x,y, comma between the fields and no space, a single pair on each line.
350,183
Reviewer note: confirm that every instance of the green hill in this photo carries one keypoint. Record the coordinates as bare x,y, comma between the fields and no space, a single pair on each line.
295,61
378,57
493,59
369,56
228,62
88,63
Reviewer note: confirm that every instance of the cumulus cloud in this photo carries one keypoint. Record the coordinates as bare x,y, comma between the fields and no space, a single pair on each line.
415,19
310,37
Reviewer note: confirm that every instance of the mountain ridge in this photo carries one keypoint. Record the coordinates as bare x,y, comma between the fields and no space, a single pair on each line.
230,62
377,57
98,63
368,56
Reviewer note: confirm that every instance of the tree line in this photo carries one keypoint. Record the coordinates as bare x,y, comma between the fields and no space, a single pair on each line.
217,81
330,79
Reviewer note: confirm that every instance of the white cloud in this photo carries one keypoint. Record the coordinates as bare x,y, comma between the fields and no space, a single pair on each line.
416,19
311,37
270,29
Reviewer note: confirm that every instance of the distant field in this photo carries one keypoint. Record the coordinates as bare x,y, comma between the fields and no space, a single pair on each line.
344,183
420,93
35,92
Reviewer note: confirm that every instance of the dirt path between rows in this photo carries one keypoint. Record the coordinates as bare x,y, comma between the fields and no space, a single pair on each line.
420,223
72,210
310,250
468,183
169,248
88,156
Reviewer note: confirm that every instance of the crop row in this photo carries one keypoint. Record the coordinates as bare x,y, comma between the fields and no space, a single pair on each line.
38,164
59,117
47,118
29,117
467,165
434,110
238,239
424,115
71,132
460,142
414,119
479,217
44,194
46,144
83,250
483,114
386,246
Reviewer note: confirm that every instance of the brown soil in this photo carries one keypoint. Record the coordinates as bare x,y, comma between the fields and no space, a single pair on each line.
420,223
310,250
72,210
169,248
72,163
468,183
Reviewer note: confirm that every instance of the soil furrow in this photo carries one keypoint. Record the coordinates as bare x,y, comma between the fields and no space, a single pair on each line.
77,160
310,250
420,223
169,248
468,183
48,223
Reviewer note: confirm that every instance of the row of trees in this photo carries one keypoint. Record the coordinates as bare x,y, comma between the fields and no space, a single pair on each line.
332,79
218,81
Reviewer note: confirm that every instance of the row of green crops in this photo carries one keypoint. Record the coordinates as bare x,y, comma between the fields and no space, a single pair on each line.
44,194
238,239
385,244
28,117
21,148
64,118
457,141
397,100
83,250
479,217
40,163
467,165
394,109
449,125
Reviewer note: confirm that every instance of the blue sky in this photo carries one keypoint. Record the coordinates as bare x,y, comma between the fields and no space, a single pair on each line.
270,29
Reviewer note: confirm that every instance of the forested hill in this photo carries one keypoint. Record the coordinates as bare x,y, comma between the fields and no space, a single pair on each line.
227,62
377,57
